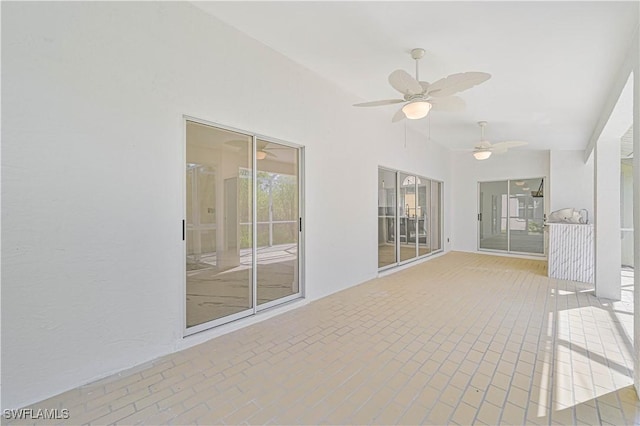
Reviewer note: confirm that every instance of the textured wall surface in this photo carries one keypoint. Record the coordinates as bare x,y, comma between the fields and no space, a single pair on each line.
94,95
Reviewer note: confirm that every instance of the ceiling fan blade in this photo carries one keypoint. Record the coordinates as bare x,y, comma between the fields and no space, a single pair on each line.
425,86
449,103
269,154
379,103
509,144
500,149
457,83
404,83
398,116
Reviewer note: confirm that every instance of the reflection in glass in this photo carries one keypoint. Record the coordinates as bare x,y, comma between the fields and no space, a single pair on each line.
407,209
416,217
386,218
493,219
424,215
219,266
526,216
278,215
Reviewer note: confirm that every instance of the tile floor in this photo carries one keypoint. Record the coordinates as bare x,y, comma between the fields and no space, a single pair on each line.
461,339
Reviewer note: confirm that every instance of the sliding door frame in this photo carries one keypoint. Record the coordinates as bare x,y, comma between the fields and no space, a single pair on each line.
300,293
398,262
396,225
188,331
479,222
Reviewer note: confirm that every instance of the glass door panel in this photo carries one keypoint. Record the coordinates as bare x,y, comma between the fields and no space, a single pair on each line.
407,217
424,216
278,221
386,218
218,249
435,221
526,216
493,216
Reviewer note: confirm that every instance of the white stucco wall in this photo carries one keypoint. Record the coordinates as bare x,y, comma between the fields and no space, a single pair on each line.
571,181
92,141
467,172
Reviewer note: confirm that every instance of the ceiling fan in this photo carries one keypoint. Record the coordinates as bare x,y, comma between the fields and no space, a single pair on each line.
484,148
263,150
420,97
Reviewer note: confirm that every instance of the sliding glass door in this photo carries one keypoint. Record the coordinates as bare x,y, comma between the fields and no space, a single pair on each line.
526,216
407,217
387,253
493,215
511,216
236,264
416,217
426,231
435,216
218,191
278,224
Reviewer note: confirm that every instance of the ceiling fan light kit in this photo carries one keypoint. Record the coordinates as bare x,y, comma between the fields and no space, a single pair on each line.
420,97
482,155
416,109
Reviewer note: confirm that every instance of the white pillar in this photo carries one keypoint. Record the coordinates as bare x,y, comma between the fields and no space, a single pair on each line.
607,219
636,210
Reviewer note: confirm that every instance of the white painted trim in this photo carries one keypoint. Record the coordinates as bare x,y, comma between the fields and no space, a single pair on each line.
301,237
183,180
254,223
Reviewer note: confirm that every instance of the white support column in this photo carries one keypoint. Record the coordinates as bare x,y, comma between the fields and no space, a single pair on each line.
636,210
607,219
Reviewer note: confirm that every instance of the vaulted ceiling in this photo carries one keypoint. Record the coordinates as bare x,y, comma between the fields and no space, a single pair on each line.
552,63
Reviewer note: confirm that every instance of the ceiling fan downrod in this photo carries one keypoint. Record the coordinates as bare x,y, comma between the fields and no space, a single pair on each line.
417,54
482,125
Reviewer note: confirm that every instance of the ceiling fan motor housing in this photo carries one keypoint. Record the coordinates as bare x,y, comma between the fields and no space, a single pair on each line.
417,53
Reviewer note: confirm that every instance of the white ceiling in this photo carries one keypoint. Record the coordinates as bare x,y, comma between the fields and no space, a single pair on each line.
552,62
